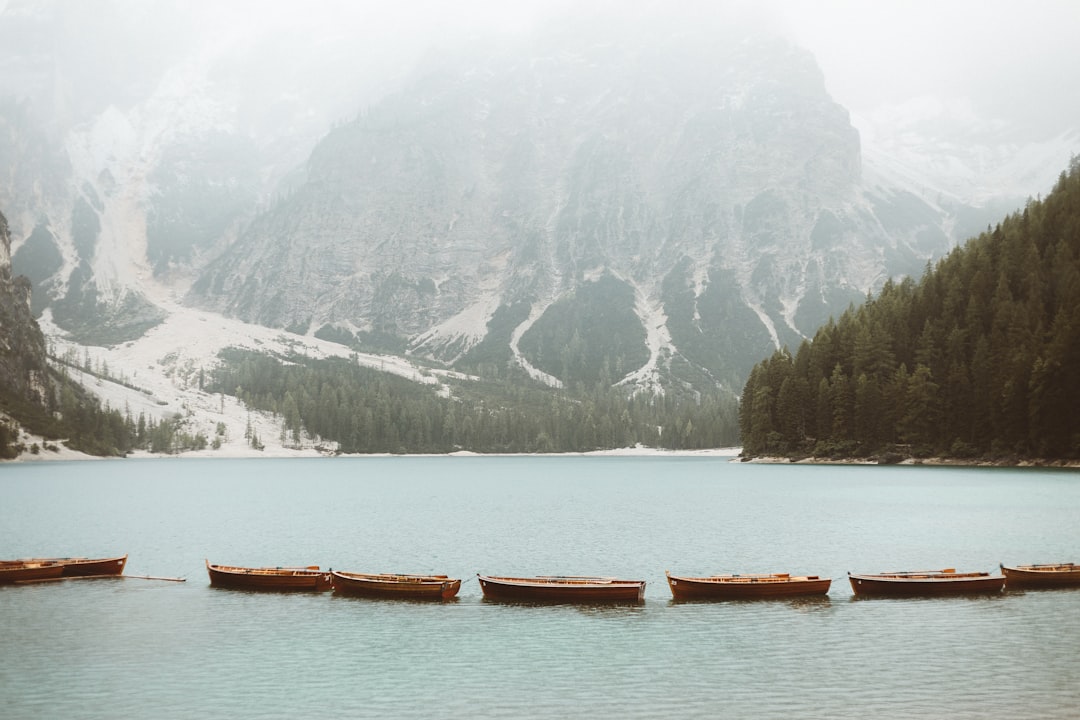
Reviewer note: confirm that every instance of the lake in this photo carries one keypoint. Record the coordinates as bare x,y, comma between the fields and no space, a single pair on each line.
136,648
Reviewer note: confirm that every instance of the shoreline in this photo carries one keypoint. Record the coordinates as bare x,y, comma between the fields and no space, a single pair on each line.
733,454
243,452
910,461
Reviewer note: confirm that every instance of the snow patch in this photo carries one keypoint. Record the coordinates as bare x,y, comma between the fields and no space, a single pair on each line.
470,324
767,322
650,311
535,373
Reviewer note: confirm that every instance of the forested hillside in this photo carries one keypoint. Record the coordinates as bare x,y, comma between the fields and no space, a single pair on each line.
979,359
364,410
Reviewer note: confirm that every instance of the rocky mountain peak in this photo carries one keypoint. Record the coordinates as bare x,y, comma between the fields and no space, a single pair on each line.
510,177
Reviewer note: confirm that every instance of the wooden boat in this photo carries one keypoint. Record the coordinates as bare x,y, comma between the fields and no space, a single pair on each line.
1041,576
80,566
418,587
14,571
746,587
926,582
276,579
561,589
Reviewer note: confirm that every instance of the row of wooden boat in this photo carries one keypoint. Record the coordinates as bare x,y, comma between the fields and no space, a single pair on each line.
312,579
37,569
588,589
949,581
425,587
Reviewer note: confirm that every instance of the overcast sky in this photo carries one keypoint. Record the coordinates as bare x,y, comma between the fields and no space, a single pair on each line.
1014,60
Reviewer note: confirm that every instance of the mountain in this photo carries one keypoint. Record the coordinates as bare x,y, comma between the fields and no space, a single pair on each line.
646,204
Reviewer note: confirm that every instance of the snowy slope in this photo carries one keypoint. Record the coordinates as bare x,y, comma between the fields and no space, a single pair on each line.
164,367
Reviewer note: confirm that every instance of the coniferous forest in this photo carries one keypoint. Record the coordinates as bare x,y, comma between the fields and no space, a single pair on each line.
978,360
369,411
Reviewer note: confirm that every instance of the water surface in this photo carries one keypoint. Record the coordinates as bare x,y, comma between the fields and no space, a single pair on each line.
137,648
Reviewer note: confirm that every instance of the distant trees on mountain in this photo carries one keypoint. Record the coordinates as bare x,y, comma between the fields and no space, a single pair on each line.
598,336
366,410
981,358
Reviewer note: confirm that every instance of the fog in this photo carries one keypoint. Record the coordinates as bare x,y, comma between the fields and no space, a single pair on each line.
1013,61
924,74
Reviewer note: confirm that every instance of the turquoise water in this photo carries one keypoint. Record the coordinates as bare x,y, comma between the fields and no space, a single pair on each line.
139,648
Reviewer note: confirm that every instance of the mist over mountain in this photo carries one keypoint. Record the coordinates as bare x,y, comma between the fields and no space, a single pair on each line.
623,198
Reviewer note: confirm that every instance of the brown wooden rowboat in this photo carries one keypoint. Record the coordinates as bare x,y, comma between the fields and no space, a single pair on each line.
79,566
1041,576
274,579
926,582
561,589
14,571
418,587
746,587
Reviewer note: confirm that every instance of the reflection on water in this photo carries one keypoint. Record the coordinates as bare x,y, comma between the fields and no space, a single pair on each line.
399,600
592,609
938,598
807,602
135,648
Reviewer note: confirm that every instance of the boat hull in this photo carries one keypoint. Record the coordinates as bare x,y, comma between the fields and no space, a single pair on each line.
562,590
28,572
411,587
78,566
269,579
1042,576
86,567
900,585
746,587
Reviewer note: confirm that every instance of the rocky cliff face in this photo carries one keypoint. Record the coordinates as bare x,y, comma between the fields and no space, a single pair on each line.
23,364
712,176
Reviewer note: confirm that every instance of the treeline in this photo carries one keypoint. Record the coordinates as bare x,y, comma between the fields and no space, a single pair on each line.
366,410
980,359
